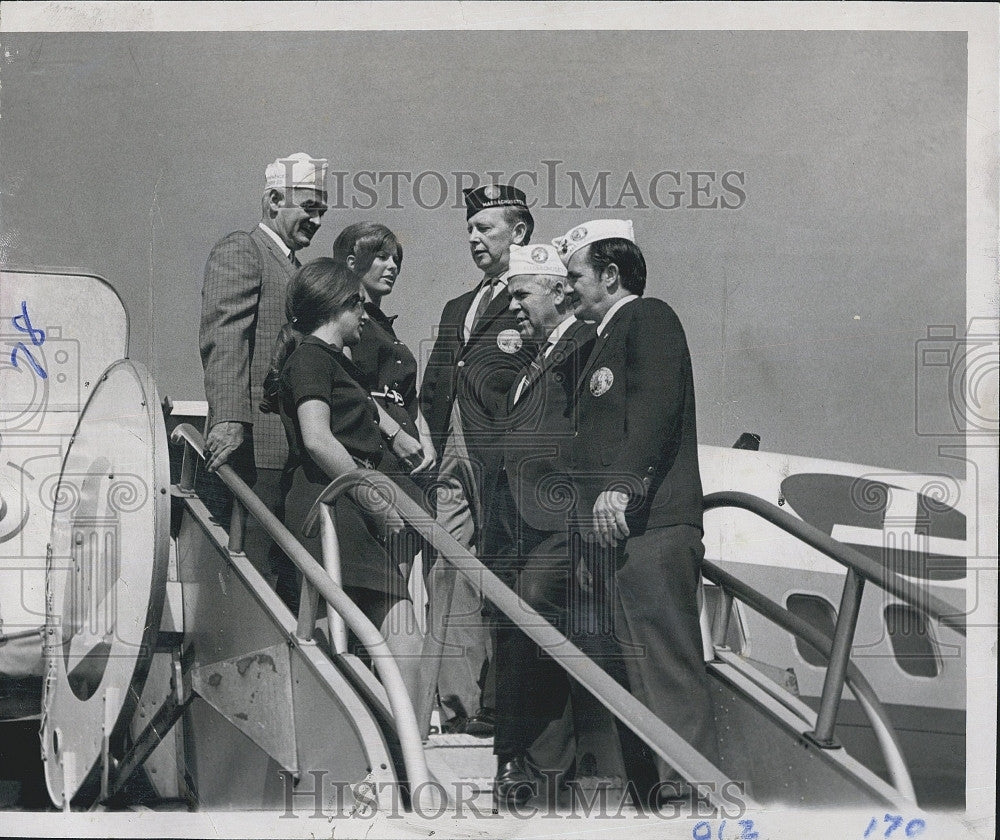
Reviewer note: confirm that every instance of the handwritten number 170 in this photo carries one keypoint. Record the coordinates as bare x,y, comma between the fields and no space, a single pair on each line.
22,323
912,829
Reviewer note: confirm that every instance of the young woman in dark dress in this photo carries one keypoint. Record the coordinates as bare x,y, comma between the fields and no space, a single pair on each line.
333,426
374,254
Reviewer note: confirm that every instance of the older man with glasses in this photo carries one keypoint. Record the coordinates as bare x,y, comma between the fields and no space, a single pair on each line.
243,310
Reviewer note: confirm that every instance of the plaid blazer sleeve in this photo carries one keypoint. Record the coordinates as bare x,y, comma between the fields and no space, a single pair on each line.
229,309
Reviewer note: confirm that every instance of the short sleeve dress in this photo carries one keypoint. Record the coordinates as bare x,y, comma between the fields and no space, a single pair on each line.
317,370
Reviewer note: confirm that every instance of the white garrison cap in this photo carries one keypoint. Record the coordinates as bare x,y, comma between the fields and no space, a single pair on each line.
592,232
535,259
298,170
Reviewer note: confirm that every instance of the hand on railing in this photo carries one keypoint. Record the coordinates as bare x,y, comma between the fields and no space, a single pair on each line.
224,438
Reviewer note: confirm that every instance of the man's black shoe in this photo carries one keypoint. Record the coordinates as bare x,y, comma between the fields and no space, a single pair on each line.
482,724
515,783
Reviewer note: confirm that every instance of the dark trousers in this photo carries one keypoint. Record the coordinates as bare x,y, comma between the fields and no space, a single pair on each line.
531,688
648,587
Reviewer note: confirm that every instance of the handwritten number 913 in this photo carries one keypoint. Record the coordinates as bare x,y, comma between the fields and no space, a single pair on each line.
703,831
912,828
22,323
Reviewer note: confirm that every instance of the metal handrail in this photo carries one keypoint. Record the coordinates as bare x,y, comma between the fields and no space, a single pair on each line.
634,714
859,569
404,717
909,591
889,743
331,562
22,634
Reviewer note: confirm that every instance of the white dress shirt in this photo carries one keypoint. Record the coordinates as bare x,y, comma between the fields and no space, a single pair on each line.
618,304
281,242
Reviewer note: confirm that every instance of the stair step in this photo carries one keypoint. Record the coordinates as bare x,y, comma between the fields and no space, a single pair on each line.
441,740
454,758
465,765
477,785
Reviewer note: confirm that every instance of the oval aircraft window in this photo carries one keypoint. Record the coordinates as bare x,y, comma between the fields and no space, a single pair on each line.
820,614
911,639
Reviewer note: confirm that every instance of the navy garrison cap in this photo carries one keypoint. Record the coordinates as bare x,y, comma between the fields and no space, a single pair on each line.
492,195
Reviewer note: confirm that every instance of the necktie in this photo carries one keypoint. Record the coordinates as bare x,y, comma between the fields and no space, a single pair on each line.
534,371
484,304
294,260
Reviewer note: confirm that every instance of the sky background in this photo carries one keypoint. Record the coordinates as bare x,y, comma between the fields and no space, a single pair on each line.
131,154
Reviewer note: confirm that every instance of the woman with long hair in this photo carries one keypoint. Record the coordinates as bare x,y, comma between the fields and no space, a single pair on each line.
373,253
333,427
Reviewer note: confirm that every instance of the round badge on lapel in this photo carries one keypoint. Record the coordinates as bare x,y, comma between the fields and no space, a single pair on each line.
509,341
601,381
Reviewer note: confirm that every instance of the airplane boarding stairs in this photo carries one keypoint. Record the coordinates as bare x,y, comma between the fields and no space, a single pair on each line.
231,702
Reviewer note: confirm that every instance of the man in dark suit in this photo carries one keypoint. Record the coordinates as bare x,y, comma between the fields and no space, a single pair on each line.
478,351
242,311
526,537
635,462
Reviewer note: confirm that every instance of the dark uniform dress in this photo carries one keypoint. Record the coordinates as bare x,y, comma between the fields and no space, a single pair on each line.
369,567
390,367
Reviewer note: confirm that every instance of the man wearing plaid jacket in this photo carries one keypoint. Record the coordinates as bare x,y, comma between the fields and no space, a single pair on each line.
243,309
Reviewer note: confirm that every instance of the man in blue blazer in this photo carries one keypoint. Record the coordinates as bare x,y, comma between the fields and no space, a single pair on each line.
526,536
242,311
477,353
635,464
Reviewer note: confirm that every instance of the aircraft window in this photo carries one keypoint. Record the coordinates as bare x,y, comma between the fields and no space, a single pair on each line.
911,641
820,614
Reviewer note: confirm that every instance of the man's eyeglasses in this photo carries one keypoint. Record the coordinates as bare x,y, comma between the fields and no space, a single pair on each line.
354,301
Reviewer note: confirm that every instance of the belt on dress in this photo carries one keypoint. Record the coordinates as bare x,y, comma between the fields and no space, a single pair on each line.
388,394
